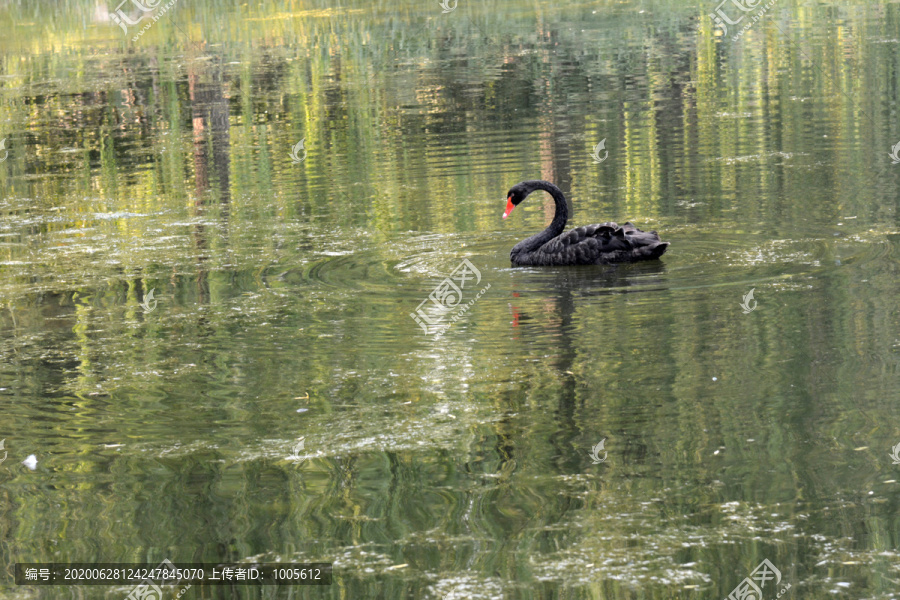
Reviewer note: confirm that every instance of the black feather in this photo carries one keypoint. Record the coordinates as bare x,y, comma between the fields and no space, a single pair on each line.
589,245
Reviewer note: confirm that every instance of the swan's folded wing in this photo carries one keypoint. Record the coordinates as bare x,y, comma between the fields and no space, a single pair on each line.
601,243
606,237
641,238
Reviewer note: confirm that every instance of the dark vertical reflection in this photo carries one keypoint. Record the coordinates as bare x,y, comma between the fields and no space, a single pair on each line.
212,154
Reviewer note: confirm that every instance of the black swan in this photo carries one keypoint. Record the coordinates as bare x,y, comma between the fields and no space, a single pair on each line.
590,245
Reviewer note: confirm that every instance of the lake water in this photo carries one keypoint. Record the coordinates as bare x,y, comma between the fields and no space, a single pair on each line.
655,430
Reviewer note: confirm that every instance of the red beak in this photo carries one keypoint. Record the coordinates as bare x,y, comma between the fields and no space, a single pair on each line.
509,207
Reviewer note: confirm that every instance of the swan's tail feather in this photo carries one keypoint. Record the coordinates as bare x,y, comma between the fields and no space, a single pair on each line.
658,250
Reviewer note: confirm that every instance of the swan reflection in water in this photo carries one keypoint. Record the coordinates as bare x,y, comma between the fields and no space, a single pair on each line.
543,305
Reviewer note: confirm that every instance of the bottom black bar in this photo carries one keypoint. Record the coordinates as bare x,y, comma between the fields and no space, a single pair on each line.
169,573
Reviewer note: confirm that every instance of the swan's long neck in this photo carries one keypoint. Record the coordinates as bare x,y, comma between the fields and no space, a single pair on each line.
556,225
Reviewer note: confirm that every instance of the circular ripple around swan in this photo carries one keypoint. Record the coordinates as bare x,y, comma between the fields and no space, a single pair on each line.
738,259
397,264
412,266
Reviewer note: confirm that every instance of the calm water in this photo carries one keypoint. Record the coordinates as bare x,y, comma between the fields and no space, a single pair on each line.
455,466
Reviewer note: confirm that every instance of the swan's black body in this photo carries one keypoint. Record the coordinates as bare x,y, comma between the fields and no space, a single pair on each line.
600,244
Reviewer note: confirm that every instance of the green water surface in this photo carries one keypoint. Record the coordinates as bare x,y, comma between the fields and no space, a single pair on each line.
460,465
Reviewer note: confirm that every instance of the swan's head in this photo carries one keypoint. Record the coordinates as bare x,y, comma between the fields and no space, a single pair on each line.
515,195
